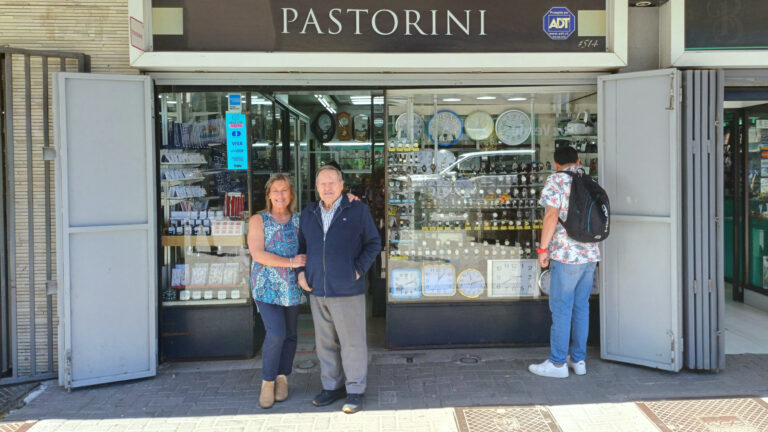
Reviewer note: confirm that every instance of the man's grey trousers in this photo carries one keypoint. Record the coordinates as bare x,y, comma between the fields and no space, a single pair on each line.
340,341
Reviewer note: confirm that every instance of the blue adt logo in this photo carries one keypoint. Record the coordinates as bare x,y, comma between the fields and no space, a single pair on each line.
559,23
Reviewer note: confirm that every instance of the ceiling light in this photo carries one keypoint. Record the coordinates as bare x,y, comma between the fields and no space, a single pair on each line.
643,3
517,99
366,100
451,100
486,97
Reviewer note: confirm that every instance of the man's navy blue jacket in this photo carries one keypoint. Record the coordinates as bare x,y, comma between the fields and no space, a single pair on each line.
351,244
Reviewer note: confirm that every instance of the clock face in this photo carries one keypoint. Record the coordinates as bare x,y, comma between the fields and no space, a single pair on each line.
425,160
478,125
439,280
324,123
471,283
447,126
344,121
402,125
444,159
513,127
405,283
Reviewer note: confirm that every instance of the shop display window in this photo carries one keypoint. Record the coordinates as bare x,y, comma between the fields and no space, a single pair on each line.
205,205
464,172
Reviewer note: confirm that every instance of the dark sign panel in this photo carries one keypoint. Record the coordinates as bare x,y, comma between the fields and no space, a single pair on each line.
726,24
447,26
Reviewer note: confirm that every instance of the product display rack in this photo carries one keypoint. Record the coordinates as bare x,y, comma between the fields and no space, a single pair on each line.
463,224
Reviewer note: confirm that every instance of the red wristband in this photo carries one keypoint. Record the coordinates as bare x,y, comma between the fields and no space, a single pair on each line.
541,251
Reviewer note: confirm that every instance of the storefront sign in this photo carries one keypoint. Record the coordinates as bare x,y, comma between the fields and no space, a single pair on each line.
726,24
447,26
237,143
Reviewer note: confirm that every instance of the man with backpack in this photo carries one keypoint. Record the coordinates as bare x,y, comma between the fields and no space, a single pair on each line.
571,261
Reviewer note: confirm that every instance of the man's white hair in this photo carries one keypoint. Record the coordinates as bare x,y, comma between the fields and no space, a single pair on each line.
329,168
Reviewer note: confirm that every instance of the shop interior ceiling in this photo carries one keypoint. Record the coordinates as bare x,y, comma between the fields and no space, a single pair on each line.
468,97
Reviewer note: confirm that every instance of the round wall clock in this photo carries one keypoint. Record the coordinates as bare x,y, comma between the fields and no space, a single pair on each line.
471,283
513,127
344,126
401,126
478,125
324,126
448,126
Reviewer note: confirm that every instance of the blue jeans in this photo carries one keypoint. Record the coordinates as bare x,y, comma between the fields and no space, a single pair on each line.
570,285
279,347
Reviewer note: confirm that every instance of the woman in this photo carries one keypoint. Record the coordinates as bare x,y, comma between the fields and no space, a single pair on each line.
273,243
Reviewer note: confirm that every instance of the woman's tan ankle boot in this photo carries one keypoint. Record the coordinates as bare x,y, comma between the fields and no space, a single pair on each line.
281,388
267,397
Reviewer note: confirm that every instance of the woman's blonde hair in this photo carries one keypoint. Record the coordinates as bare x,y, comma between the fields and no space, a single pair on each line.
286,178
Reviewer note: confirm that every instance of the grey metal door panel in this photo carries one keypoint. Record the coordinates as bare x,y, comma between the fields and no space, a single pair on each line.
106,228
633,335
110,171
95,352
640,296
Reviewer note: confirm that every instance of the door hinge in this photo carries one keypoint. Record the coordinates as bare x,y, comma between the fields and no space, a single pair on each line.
717,219
672,93
718,123
68,370
695,286
671,336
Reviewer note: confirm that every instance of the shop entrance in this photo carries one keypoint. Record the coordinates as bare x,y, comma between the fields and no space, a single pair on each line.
746,220
344,128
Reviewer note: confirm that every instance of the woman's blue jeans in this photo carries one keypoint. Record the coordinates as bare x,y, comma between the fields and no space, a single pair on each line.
570,285
279,349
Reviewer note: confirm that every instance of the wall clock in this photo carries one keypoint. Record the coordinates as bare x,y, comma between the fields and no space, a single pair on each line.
344,123
402,125
324,126
439,280
478,125
361,127
448,126
405,283
513,127
471,283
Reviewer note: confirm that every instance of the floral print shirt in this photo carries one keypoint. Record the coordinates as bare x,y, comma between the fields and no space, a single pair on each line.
562,248
278,285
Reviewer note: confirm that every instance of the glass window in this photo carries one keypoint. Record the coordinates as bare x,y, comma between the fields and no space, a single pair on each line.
464,172
204,204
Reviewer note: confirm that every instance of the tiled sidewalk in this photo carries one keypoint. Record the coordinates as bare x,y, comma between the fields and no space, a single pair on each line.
407,391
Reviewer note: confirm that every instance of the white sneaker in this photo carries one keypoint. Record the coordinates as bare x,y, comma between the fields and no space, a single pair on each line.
579,368
547,369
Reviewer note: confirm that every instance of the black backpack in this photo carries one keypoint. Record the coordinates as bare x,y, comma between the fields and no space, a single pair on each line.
589,211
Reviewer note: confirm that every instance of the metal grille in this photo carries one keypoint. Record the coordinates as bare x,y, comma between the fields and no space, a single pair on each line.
719,415
703,276
27,278
506,419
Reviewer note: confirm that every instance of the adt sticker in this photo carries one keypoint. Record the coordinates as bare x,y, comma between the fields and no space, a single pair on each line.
559,23
237,147
235,102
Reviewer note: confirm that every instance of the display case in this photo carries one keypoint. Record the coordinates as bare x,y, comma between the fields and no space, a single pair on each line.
204,209
464,173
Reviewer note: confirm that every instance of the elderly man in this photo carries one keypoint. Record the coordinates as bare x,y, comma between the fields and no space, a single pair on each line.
341,242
